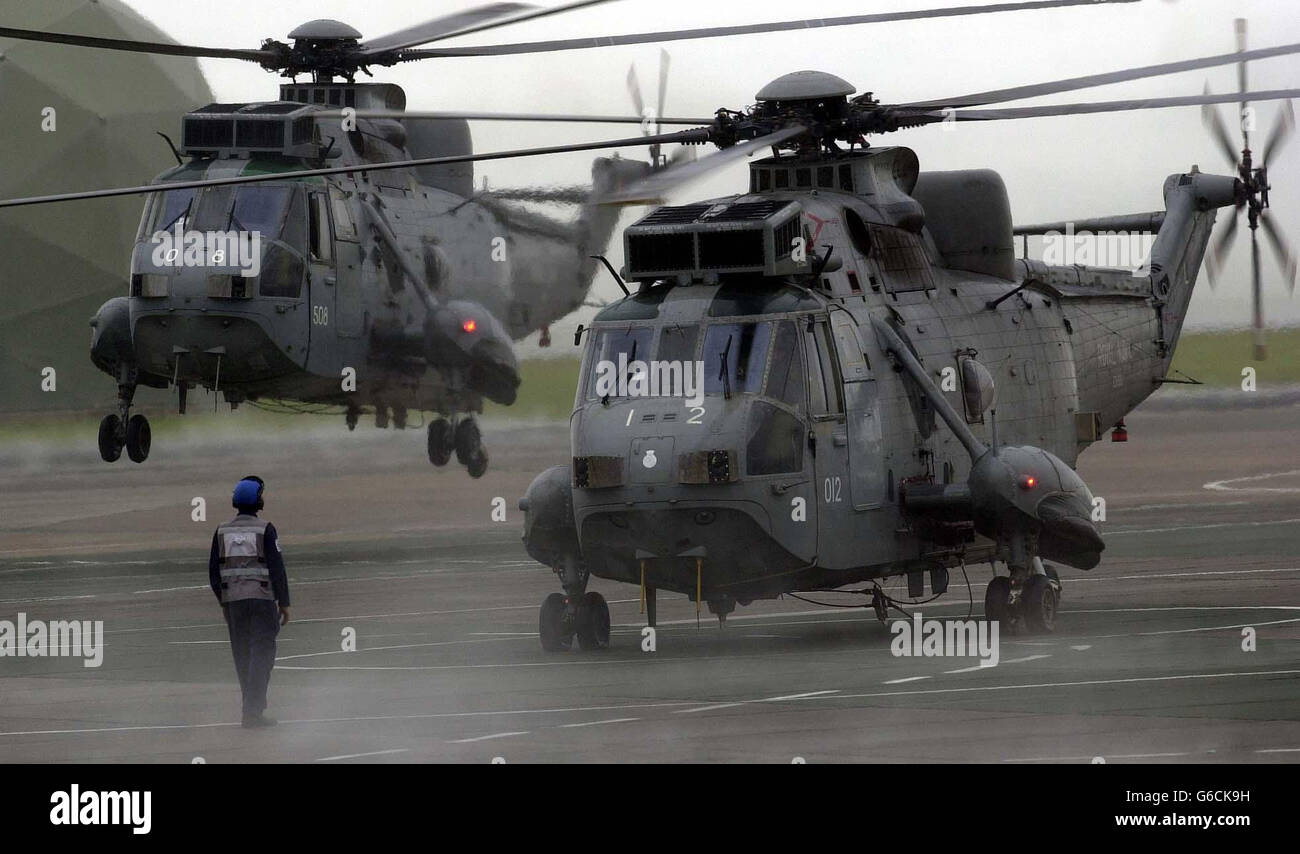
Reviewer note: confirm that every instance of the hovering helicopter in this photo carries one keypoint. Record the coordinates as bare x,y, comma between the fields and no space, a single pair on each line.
886,389
376,280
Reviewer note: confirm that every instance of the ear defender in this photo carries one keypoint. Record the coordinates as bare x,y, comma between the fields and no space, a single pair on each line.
248,492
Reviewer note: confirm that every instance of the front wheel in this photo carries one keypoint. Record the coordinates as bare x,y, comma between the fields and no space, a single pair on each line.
551,628
138,438
1038,602
997,599
110,445
593,622
440,441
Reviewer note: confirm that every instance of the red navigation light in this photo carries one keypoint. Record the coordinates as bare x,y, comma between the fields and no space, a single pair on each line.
469,324
1028,482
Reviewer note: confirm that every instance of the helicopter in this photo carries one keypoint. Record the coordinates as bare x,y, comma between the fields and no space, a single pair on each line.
371,274
881,389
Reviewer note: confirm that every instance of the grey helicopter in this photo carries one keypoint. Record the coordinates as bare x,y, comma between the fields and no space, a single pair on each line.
882,389
376,281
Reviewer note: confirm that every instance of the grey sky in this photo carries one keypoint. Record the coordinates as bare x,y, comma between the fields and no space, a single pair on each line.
1055,167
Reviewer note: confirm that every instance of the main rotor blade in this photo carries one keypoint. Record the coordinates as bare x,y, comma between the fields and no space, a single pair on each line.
702,135
513,117
1283,127
1098,107
129,45
472,21
745,29
1281,248
1016,93
654,187
1240,25
443,26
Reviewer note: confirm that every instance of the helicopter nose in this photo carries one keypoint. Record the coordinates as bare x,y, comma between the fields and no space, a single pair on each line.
494,370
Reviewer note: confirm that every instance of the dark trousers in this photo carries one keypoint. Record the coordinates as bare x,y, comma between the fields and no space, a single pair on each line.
253,624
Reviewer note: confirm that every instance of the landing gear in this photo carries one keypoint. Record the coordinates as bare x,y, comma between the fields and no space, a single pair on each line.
880,604
440,441
351,417
592,622
469,448
124,430
555,631
138,438
1028,599
573,612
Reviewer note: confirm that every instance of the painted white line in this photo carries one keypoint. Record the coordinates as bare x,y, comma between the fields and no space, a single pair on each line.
360,755
1257,524
803,696
486,737
1222,485
1026,658
599,723
1082,684
1104,756
708,708
905,679
972,669
386,648
1081,647
1279,750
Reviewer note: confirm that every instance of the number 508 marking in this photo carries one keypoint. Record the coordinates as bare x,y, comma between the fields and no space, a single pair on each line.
320,315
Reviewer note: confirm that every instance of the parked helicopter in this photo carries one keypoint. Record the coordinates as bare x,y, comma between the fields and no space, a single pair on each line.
383,282
886,389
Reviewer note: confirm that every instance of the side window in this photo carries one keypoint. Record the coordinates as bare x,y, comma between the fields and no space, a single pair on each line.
677,343
344,227
824,390
318,227
785,379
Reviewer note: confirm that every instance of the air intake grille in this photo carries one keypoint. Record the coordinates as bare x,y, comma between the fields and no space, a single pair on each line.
711,239
661,251
726,250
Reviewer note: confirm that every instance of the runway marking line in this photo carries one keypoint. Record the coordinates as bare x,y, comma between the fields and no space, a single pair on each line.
599,723
360,755
732,705
487,737
905,679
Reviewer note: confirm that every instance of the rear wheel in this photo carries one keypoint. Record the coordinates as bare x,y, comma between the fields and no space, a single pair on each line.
997,599
138,438
554,634
593,622
469,441
1038,603
110,446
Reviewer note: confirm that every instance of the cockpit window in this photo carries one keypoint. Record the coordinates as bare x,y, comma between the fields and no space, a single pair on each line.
677,343
735,355
171,208
260,209
632,343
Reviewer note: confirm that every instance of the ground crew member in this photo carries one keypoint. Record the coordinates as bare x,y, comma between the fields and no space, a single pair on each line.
246,571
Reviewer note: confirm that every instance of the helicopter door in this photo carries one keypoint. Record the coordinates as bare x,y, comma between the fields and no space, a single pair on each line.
322,275
866,477
830,446
348,320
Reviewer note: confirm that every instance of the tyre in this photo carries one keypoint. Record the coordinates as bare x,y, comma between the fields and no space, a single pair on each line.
555,636
1038,602
477,465
439,442
138,438
593,622
997,599
468,441
110,446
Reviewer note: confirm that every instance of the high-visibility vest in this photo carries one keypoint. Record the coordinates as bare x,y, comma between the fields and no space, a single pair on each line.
241,556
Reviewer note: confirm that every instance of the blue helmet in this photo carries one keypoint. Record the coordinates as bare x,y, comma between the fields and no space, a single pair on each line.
248,493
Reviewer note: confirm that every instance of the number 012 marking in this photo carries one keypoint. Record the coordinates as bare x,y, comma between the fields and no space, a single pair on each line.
831,489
